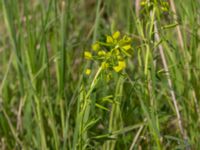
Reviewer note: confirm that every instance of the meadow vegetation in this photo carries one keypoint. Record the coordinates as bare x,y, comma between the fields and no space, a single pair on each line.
99,74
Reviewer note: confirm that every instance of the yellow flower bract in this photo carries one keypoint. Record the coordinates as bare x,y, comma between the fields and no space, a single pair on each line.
101,53
143,3
165,9
87,55
127,39
121,65
95,46
126,47
109,39
88,71
104,65
116,35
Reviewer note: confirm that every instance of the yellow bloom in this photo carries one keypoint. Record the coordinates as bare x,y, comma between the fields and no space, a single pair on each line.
117,52
127,39
87,71
126,47
116,35
165,9
117,68
109,39
119,57
108,55
95,46
143,3
104,65
121,65
87,55
166,4
101,53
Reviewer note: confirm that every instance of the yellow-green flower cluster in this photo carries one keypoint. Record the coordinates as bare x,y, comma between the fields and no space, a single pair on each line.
112,53
162,5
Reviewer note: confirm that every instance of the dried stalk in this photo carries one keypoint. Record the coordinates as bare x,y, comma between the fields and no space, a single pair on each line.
180,37
157,38
137,7
137,136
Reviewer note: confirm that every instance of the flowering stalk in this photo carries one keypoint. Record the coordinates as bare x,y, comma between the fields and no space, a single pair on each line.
83,114
110,56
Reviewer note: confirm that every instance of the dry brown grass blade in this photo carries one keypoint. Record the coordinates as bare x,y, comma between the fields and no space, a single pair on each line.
173,96
137,7
180,37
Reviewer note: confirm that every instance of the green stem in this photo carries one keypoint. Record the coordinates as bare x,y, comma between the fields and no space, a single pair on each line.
83,114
